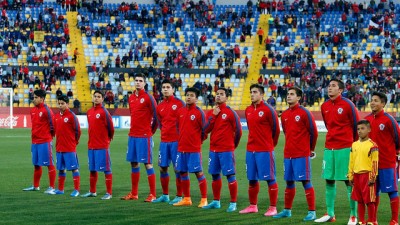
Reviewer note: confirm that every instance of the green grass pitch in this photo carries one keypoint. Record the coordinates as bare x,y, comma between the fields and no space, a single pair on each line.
18,207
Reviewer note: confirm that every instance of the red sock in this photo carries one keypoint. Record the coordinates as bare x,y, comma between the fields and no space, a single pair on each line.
273,194
394,205
77,182
233,190
289,197
93,181
202,185
371,212
164,183
216,188
61,181
135,181
310,196
253,193
185,185
52,175
377,200
152,183
109,183
178,183
37,174
361,212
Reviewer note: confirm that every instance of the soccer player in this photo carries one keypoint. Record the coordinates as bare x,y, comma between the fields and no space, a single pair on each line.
42,136
224,125
191,124
142,107
340,117
300,139
68,132
167,114
264,131
385,133
363,169
101,132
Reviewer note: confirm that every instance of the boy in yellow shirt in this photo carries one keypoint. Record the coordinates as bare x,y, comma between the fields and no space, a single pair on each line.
363,169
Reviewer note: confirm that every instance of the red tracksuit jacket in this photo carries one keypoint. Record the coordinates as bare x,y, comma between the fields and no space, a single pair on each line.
191,124
68,131
340,117
42,124
385,133
143,114
101,128
263,125
300,132
225,129
167,114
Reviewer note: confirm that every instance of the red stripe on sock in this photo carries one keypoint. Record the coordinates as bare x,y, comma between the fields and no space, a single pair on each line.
135,182
165,184
289,197
93,181
152,183
52,176
216,188
253,193
273,194
361,213
109,183
77,183
61,181
310,196
233,190
394,205
37,174
178,183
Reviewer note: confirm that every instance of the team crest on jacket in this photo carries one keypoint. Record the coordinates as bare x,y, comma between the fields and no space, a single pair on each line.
340,110
97,115
224,116
174,107
65,120
40,114
192,117
381,126
260,114
141,100
297,118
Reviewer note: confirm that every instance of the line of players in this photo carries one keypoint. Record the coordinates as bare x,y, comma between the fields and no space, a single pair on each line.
184,127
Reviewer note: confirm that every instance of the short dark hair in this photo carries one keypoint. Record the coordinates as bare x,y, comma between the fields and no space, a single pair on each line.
167,81
194,90
63,98
258,86
365,122
340,83
224,89
298,91
99,92
141,75
40,93
382,96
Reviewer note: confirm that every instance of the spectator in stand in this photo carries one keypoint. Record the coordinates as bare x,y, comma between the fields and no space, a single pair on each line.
271,101
59,92
260,34
70,95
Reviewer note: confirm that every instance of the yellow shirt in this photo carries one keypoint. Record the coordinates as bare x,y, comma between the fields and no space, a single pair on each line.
363,159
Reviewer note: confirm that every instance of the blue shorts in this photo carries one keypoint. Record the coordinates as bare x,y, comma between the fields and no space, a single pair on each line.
67,161
386,181
167,154
42,154
189,162
99,160
224,161
139,150
260,165
297,169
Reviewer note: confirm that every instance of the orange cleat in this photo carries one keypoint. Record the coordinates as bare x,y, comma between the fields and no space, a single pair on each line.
150,198
186,201
130,196
203,202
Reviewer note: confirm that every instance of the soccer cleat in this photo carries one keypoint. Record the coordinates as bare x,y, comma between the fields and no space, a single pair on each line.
286,213
89,194
31,188
186,201
311,215
326,218
175,200
150,198
372,223
213,205
393,223
203,202
49,190
162,198
107,196
56,192
232,207
75,193
130,196
352,220
271,211
249,209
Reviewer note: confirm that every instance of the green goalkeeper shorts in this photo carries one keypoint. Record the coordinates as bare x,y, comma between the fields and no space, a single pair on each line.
335,165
